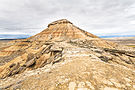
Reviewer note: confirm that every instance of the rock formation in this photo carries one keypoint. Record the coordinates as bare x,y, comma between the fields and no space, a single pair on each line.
70,57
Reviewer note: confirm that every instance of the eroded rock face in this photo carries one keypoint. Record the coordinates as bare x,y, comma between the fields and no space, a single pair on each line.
68,56
46,55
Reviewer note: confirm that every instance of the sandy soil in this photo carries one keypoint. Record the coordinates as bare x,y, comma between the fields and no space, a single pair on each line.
3,43
129,41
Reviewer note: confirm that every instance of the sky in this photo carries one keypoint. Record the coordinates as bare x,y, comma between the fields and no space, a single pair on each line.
100,17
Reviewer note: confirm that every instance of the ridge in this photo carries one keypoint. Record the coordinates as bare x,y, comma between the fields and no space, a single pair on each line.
59,22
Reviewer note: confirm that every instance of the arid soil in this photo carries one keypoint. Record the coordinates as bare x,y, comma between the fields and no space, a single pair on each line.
65,57
3,43
81,68
129,41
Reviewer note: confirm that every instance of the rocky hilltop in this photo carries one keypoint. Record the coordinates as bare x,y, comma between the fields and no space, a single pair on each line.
65,57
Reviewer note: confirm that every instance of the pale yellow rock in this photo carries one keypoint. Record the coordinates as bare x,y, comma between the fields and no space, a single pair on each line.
127,80
81,84
116,83
83,89
107,82
133,86
90,85
72,86
109,88
128,85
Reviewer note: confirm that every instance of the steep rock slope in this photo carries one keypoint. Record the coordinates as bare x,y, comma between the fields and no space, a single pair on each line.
89,62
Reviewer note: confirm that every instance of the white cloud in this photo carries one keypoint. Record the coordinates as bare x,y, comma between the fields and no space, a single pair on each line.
95,16
132,22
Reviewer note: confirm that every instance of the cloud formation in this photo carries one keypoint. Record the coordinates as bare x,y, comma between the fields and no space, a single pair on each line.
99,17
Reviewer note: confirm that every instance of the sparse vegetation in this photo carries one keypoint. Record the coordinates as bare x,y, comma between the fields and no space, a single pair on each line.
131,46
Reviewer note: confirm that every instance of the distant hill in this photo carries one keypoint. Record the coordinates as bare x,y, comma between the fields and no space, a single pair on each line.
23,36
13,36
111,36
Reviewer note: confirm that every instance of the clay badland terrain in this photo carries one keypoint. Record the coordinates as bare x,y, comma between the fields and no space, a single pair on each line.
65,57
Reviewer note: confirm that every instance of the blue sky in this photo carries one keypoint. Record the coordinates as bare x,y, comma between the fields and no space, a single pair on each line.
100,17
